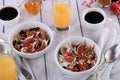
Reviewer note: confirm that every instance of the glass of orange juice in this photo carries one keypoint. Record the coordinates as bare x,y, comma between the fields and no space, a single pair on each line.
61,13
8,69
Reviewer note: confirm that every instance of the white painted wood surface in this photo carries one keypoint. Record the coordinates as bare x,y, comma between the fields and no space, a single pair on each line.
44,67
1,26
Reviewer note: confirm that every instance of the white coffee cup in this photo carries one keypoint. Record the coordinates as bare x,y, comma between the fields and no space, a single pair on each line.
92,24
9,15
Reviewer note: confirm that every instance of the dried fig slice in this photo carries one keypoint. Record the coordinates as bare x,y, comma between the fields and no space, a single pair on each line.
89,49
39,48
42,35
72,45
63,50
70,53
81,47
69,58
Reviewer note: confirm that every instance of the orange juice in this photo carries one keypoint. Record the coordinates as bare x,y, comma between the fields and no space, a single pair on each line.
61,16
7,68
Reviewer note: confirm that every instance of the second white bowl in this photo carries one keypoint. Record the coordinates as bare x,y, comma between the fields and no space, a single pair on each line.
77,40
31,24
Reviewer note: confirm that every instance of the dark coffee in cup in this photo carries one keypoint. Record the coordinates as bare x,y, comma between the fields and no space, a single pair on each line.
8,13
94,17
114,0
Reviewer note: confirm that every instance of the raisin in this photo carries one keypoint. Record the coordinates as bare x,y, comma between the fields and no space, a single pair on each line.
93,58
34,29
77,65
64,67
39,42
20,47
37,28
22,32
59,52
48,42
89,65
77,58
14,42
39,34
18,42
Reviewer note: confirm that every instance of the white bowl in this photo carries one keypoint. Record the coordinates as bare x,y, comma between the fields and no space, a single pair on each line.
77,40
31,24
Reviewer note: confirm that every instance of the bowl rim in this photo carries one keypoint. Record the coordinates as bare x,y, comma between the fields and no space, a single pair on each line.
46,28
73,38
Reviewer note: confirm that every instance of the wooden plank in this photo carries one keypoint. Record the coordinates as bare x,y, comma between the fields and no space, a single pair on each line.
1,3
11,2
38,68
1,25
53,72
118,36
112,21
37,65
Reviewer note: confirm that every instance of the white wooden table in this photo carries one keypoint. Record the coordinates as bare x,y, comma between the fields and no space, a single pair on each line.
44,67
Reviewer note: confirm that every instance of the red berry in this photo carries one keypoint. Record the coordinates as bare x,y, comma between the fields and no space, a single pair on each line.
85,59
75,69
68,65
117,12
118,1
113,6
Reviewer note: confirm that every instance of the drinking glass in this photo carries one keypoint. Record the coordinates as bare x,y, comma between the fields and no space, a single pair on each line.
104,3
33,6
61,13
8,69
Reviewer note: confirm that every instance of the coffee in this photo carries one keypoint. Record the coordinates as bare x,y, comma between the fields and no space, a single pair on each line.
114,0
94,17
8,13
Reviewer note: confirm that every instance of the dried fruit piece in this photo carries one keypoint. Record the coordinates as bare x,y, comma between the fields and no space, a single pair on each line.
72,45
115,7
63,50
81,47
69,58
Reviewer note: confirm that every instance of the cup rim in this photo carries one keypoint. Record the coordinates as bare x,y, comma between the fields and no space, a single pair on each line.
12,6
91,24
